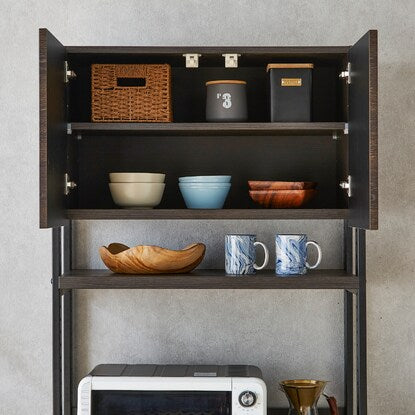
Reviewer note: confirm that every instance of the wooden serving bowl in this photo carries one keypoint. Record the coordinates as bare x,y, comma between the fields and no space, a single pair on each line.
274,185
148,259
282,199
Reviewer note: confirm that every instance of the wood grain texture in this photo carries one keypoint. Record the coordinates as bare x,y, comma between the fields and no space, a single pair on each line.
147,259
208,279
273,185
52,138
282,199
117,214
196,128
265,51
363,132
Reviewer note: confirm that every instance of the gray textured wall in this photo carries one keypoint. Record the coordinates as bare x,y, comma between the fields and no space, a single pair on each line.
205,326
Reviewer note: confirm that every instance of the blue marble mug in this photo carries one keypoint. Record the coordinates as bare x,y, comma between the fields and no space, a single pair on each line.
291,254
240,254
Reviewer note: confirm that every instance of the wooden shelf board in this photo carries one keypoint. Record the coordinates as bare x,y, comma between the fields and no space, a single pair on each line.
208,279
195,129
118,214
317,51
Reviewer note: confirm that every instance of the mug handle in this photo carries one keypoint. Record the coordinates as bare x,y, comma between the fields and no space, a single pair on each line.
266,259
319,255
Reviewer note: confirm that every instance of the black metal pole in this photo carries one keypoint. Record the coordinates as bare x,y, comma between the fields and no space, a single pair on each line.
67,323
348,324
361,322
56,322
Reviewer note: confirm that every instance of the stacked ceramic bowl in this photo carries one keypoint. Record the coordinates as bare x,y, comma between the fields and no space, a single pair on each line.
137,190
205,192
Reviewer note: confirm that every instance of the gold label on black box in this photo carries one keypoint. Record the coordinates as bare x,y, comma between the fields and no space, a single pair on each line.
291,82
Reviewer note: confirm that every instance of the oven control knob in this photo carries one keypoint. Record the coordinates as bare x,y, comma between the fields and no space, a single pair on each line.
247,399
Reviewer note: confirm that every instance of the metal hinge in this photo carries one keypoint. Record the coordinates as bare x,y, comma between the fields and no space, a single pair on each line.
346,74
69,184
231,60
69,74
192,60
346,128
69,128
347,185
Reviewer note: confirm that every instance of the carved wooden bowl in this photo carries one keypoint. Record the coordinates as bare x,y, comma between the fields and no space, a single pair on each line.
274,185
282,199
147,259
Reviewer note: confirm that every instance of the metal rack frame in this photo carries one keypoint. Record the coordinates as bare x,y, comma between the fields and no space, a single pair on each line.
355,368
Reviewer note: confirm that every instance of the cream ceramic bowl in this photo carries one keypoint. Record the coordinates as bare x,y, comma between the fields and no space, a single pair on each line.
137,177
137,195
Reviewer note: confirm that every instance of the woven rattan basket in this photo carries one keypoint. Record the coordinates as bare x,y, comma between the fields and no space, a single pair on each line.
131,93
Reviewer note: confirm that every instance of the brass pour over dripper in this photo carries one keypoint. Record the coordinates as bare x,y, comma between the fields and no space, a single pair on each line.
303,394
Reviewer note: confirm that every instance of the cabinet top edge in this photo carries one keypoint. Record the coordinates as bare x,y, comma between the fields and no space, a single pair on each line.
174,50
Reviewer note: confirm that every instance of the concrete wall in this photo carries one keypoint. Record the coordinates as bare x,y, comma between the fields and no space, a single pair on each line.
208,326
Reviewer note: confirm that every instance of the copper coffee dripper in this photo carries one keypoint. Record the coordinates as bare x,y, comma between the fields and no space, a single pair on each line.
303,395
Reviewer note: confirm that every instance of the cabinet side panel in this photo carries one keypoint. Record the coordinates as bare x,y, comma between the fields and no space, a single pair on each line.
52,130
363,132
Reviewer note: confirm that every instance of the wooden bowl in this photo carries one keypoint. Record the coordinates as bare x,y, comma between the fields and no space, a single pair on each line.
143,259
282,199
272,185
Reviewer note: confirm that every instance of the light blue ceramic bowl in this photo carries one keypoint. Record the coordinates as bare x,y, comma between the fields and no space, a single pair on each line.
205,179
204,195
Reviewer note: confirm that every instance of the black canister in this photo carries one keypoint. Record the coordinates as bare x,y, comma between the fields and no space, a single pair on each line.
290,91
226,101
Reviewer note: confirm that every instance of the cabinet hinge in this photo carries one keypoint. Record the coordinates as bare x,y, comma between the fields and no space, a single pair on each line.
69,74
69,184
231,60
69,128
192,60
346,128
346,74
347,185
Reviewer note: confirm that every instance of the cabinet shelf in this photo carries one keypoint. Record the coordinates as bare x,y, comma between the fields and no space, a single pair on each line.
196,129
117,214
208,279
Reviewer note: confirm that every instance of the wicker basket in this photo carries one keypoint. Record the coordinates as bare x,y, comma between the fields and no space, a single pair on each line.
146,98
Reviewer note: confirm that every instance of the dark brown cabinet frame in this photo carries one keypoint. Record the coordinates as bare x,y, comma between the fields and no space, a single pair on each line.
56,159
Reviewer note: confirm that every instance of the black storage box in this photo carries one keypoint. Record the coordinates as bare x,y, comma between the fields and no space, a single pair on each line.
290,91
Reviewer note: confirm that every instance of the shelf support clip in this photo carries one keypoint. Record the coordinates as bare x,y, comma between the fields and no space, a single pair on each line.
231,60
346,74
192,60
347,185
69,185
69,74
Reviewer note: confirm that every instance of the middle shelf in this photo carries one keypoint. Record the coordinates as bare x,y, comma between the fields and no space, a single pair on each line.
205,128
208,279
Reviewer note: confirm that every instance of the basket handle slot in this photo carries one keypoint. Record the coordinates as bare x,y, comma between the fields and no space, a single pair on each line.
131,82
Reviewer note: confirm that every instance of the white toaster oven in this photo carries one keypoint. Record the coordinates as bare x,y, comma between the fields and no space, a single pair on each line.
172,390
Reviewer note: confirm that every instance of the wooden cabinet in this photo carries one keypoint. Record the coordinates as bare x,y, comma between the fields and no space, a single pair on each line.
338,149
341,141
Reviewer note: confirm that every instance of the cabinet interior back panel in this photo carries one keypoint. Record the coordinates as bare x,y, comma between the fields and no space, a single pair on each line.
189,92
265,158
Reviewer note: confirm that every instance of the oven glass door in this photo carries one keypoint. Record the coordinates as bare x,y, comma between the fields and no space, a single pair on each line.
108,402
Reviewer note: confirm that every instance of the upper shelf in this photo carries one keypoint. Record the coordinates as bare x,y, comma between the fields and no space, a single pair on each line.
192,129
